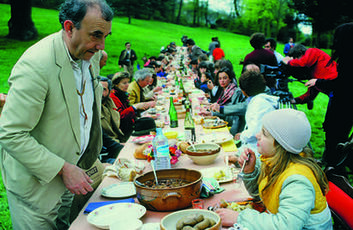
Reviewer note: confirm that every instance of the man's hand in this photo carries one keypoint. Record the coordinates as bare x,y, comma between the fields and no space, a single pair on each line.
76,180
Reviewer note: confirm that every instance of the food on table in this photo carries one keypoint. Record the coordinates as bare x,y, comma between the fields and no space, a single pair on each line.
194,222
183,146
166,183
220,175
139,151
214,123
240,206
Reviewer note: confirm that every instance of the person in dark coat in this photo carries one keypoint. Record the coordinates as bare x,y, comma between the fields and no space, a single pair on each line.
338,120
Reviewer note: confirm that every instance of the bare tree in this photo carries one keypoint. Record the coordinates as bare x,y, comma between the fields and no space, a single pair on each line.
179,11
236,7
21,26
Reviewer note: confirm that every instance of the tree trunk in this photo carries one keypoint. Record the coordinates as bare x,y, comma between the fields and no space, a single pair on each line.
236,7
21,26
179,12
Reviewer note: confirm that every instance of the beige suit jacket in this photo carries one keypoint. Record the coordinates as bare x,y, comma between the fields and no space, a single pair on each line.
39,125
134,91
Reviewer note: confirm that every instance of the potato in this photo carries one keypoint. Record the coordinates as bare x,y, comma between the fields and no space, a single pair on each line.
193,219
212,222
188,228
203,224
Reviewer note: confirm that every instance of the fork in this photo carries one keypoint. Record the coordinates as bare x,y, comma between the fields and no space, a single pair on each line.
239,179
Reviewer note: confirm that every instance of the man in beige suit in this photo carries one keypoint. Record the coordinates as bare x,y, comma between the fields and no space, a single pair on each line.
50,125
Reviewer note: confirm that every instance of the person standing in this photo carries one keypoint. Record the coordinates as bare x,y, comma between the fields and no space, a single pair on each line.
127,58
338,120
50,129
218,53
288,46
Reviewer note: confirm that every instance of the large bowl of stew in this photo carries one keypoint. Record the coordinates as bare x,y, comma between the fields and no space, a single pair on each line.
175,190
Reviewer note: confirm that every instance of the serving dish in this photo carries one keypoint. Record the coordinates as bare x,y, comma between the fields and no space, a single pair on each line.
168,199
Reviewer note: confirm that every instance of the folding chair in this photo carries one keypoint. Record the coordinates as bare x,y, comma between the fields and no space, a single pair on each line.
340,200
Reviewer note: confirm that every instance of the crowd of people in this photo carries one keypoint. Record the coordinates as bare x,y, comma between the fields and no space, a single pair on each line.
56,84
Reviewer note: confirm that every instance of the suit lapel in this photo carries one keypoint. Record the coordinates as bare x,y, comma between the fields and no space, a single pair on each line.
68,86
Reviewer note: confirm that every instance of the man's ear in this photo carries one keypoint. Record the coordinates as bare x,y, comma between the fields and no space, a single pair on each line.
68,27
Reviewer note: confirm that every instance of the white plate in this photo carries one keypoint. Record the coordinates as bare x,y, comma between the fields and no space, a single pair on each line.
120,190
229,172
104,216
218,138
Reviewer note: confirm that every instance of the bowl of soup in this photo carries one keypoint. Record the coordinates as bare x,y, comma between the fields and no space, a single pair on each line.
175,190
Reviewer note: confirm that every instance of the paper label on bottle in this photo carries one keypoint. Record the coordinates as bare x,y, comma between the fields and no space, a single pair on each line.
163,151
188,134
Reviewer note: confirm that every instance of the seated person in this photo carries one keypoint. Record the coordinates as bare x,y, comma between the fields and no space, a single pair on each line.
226,81
261,56
151,59
202,68
151,89
286,178
110,118
135,89
205,77
128,113
213,86
253,86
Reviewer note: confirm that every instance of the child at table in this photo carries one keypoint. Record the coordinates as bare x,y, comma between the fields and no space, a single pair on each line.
289,182
253,86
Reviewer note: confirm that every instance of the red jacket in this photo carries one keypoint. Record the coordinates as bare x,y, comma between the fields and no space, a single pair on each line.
317,61
127,112
218,54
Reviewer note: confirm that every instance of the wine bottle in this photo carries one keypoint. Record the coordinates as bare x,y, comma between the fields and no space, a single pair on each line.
173,115
189,126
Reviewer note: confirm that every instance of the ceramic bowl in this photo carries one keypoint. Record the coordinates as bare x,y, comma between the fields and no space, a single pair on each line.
203,149
170,220
204,160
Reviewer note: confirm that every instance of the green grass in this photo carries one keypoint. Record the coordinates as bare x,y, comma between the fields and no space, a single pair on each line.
146,37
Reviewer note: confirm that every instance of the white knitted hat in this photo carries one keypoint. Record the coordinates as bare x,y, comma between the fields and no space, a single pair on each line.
289,127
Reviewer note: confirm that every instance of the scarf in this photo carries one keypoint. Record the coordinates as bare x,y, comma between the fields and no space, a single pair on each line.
227,94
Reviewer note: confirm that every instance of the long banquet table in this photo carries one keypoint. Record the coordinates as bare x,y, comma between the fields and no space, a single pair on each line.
232,191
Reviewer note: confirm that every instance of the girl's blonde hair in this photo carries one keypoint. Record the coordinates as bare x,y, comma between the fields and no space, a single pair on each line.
280,161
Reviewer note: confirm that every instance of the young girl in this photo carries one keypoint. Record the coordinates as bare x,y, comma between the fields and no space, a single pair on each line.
289,182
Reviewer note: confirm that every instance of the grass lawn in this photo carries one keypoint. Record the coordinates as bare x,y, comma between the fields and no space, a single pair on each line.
146,37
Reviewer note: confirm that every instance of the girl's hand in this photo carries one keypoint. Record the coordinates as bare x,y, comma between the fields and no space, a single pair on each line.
228,217
311,83
210,85
249,156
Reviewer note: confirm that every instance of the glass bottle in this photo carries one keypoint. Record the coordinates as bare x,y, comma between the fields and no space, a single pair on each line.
189,126
160,151
173,115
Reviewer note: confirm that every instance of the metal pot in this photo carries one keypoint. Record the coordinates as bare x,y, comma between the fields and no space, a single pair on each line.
169,199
